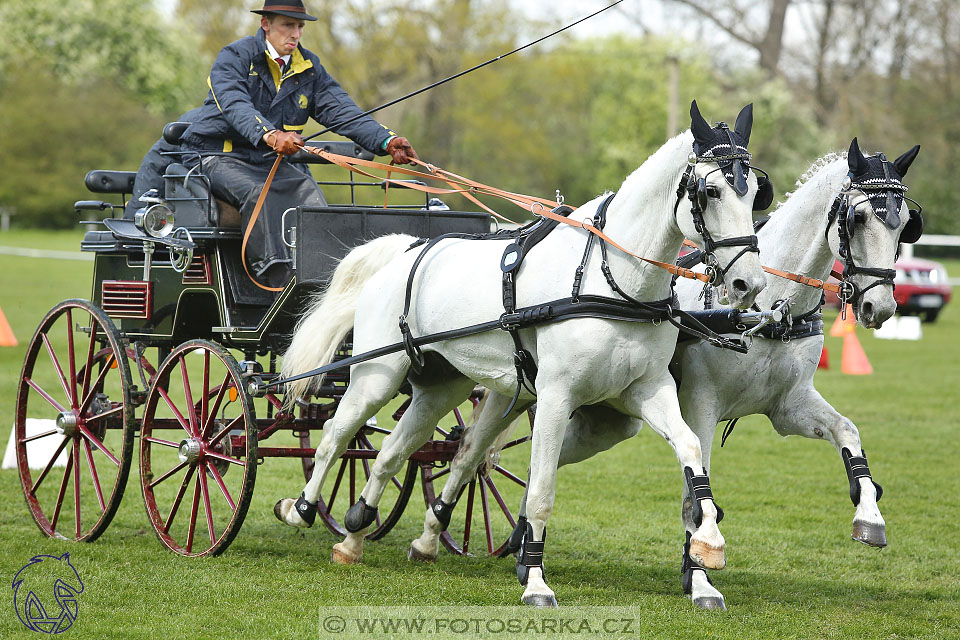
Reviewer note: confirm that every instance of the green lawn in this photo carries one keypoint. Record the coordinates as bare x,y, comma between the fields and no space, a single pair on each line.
792,570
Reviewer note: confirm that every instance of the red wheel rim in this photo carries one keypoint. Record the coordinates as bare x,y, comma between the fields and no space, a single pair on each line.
198,450
73,403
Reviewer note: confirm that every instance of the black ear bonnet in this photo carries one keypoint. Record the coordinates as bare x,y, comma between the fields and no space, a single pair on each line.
729,146
881,181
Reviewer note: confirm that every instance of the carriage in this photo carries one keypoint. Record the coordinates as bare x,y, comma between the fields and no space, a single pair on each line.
156,367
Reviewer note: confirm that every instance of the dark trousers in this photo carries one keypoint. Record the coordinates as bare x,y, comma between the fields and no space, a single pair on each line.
239,183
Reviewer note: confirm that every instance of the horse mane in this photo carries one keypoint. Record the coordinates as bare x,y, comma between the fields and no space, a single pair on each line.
649,182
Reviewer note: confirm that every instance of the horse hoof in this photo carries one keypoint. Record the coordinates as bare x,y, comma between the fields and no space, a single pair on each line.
873,535
710,602
285,509
540,600
416,556
341,556
707,556
277,511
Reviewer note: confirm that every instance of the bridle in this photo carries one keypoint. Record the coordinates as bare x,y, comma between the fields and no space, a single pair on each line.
698,193
846,215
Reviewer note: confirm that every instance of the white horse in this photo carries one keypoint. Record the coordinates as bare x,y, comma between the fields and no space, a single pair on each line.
458,284
775,377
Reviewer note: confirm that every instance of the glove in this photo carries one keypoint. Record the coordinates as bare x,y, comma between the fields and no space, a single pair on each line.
284,142
401,151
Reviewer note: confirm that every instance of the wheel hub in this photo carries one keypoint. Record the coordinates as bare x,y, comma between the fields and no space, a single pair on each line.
189,451
67,423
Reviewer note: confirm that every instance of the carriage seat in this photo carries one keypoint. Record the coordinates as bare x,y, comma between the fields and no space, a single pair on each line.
102,181
173,130
194,204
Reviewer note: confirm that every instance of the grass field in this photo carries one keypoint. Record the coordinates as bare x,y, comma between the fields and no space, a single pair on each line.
792,570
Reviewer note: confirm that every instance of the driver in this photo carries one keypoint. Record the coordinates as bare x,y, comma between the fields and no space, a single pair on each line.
262,90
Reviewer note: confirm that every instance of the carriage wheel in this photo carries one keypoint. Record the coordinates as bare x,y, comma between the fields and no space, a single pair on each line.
74,409
198,450
346,481
485,502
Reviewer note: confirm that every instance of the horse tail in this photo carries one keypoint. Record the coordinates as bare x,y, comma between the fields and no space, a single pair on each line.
329,318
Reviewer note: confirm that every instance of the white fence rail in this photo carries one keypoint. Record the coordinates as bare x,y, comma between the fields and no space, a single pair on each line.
933,240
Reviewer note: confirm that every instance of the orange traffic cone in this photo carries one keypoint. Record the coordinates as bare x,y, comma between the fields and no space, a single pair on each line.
854,360
7,339
824,360
843,326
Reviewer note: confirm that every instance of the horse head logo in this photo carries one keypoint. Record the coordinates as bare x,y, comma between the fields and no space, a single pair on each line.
32,596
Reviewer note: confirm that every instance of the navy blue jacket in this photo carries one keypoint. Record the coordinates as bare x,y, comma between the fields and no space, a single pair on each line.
248,98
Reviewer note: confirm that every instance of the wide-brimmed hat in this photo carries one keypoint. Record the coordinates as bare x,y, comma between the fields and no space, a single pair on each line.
290,8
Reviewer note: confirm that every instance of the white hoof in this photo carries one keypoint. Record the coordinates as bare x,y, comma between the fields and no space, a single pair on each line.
707,556
540,600
415,555
287,514
343,555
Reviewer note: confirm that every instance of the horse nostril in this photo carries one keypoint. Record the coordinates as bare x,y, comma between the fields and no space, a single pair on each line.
866,309
740,285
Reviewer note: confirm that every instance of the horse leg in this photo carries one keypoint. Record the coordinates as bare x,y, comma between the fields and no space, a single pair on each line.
473,447
694,579
372,385
657,402
553,410
806,413
418,422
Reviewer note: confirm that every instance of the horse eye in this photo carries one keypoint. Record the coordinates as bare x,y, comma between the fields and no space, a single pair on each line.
713,191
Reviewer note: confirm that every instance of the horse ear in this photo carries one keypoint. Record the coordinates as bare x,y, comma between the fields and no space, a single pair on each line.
903,162
700,127
855,160
745,123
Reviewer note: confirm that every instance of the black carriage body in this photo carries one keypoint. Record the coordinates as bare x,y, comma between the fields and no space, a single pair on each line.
214,298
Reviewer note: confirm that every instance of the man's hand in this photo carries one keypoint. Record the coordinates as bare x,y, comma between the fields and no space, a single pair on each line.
401,150
284,142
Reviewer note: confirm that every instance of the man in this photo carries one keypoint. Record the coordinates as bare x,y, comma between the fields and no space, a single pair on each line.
263,88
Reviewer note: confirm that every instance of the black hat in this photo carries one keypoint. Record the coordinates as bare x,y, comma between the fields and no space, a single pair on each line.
289,8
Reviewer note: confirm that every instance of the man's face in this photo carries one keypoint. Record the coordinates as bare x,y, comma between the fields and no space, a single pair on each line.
282,32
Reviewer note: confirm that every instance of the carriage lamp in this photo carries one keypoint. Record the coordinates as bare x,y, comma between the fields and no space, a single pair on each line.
155,220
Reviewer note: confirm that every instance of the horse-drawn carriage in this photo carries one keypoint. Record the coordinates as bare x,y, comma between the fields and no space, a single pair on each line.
156,366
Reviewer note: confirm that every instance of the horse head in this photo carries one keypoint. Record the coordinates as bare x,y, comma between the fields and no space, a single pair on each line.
723,192
872,219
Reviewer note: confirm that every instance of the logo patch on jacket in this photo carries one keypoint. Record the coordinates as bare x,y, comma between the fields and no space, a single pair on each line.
252,72
302,101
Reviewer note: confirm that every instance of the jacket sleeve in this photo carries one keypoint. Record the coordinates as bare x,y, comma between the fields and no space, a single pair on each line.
228,86
332,106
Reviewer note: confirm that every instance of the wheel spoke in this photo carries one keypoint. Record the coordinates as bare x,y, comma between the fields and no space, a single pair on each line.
466,528
487,525
57,367
499,499
336,485
71,359
92,438
223,488
63,491
188,395
176,501
193,515
520,482
514,443
93,473
209,417
205,398
85,387
91,391
205,491
176,412
76,484
239,463
227,429
46,470
353,481
177,468
46,396
37,436
438,474
164,443
105,414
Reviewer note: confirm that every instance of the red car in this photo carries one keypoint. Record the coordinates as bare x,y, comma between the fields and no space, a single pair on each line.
921,287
